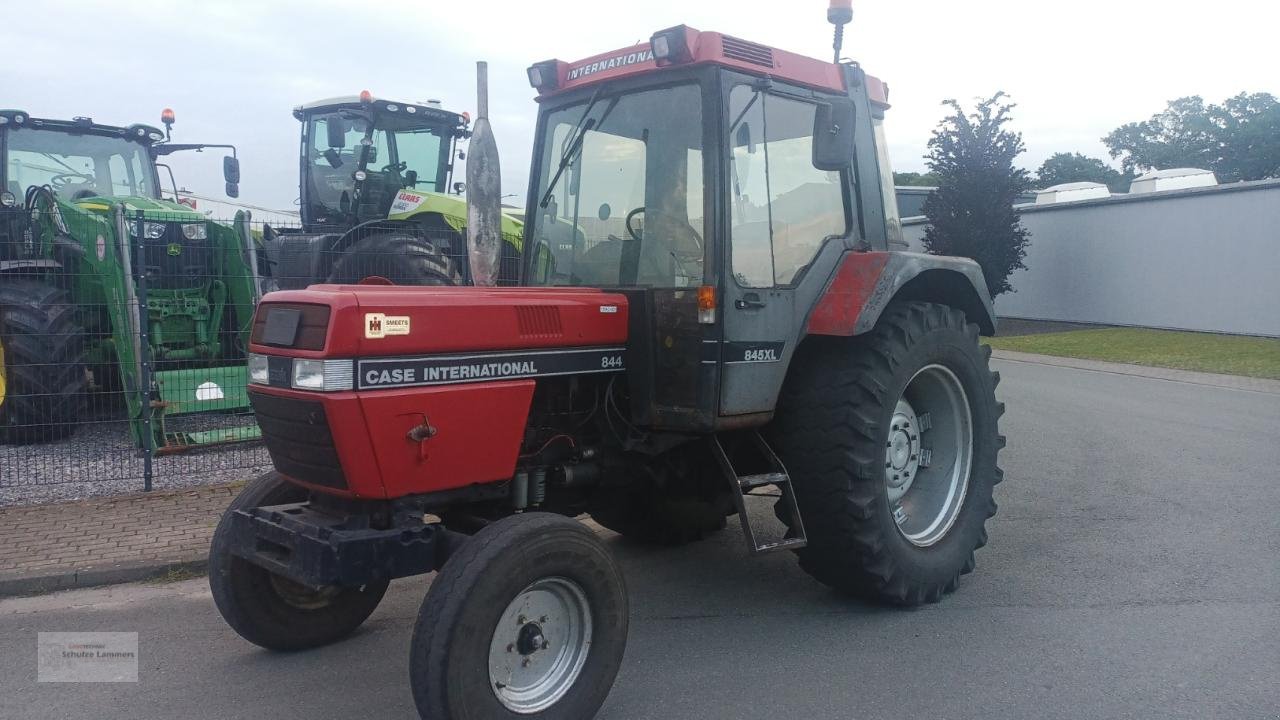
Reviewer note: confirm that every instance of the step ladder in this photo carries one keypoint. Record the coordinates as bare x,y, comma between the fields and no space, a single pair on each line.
742,485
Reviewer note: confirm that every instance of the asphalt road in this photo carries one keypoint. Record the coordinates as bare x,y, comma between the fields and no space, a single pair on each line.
1133,571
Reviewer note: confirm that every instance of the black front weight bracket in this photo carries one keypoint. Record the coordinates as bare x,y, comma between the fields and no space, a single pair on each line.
320,549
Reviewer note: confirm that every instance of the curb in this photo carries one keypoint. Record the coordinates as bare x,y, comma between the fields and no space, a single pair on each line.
39,583
1192,377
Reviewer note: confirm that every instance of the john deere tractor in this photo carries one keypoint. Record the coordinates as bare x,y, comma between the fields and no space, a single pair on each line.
86,243
377,198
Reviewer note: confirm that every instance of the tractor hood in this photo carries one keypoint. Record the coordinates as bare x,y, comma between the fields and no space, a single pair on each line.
453,209
152,209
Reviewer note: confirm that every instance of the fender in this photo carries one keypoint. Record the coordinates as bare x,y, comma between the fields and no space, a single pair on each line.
864,283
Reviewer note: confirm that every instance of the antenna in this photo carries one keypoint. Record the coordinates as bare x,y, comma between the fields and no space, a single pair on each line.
839,12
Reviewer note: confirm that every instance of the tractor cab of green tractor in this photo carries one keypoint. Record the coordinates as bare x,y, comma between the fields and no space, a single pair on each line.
359,152
377,198
155,285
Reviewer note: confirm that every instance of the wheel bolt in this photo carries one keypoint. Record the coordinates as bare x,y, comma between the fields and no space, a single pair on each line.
524,663
521,620
511,648
543,619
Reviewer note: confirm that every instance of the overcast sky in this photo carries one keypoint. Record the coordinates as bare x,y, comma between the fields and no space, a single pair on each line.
233,70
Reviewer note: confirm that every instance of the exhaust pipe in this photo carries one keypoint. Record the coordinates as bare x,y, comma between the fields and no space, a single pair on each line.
484,191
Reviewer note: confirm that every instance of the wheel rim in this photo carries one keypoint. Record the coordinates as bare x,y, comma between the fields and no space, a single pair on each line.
301,596
929,455
540,645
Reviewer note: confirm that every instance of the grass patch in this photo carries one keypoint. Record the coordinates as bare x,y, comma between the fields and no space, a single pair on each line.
1205,352
175,575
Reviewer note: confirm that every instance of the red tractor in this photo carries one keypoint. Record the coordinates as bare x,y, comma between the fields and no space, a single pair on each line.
714,305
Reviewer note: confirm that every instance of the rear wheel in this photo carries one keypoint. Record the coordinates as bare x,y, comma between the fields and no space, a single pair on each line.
528,618
269,610
401,258
42,369
891,441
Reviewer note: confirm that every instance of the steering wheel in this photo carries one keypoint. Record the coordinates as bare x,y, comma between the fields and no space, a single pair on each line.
64,179
697,239
395,167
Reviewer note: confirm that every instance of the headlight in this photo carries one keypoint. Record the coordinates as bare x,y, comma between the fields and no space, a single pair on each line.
154,230
258,373
7,199
195,231
327,375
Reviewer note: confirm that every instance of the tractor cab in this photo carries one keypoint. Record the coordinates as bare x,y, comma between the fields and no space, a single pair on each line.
360,152
718,184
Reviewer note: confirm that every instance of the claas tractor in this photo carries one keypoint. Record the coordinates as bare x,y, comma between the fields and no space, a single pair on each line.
711,309
377,198
87,242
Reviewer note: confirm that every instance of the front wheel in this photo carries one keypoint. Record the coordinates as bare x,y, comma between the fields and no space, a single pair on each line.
891,442
528,618
269,610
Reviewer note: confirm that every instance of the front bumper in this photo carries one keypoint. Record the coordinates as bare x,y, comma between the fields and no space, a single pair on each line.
318,548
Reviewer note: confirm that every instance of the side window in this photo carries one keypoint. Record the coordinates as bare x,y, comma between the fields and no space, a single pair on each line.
783,207
120,178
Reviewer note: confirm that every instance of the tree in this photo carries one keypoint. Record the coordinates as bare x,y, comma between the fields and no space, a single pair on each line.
1074,167
1237,140
915,179
972,214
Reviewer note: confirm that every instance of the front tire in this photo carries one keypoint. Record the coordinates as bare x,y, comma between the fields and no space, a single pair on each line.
891,440
528,618
268,610
42,369
400,258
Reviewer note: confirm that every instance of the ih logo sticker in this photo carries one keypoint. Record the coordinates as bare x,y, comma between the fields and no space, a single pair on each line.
377,325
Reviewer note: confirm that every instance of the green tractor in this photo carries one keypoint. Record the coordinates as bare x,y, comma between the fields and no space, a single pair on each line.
377,199
109,291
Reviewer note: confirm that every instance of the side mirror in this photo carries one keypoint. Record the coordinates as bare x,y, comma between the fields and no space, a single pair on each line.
742,138
333,157
337,134
233,190
231,170
833,135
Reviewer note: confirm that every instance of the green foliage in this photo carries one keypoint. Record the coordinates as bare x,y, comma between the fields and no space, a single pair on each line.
972,214
915,179
1074,167
1237,140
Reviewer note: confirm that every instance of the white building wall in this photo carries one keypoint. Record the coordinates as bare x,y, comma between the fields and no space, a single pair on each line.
1205,259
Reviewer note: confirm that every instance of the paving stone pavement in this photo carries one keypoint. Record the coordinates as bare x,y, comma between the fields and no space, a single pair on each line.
108,540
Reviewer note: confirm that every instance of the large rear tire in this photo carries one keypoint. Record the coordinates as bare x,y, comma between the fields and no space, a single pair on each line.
891,441
42,368
528,618
401,258
268,610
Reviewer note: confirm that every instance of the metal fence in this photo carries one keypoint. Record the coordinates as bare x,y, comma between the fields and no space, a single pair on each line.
124,331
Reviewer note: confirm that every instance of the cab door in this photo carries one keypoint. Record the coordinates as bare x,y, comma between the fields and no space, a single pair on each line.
788,223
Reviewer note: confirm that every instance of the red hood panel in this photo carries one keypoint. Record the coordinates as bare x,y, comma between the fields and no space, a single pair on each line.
377,320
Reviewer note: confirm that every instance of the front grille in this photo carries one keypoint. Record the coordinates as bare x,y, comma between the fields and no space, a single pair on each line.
747,51
173,262
297,436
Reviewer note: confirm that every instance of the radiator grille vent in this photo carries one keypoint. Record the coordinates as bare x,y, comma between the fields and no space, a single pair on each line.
747,51
538,321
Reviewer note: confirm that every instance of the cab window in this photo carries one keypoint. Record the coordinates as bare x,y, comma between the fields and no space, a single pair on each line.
782,207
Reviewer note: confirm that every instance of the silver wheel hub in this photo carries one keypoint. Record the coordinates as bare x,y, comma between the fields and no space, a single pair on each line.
540,645
929,455
902,456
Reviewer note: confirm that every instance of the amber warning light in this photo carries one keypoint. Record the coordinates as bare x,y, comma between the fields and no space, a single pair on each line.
707,304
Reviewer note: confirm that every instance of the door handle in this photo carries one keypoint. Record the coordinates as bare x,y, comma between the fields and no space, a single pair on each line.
749,301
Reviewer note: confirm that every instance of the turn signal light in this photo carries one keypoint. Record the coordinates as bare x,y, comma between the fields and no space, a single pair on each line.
707,304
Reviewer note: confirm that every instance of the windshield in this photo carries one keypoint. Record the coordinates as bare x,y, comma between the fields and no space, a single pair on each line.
398,156
77,165
627,209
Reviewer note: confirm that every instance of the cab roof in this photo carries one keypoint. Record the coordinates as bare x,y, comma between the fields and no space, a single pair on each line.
706,47
144,134
428,114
